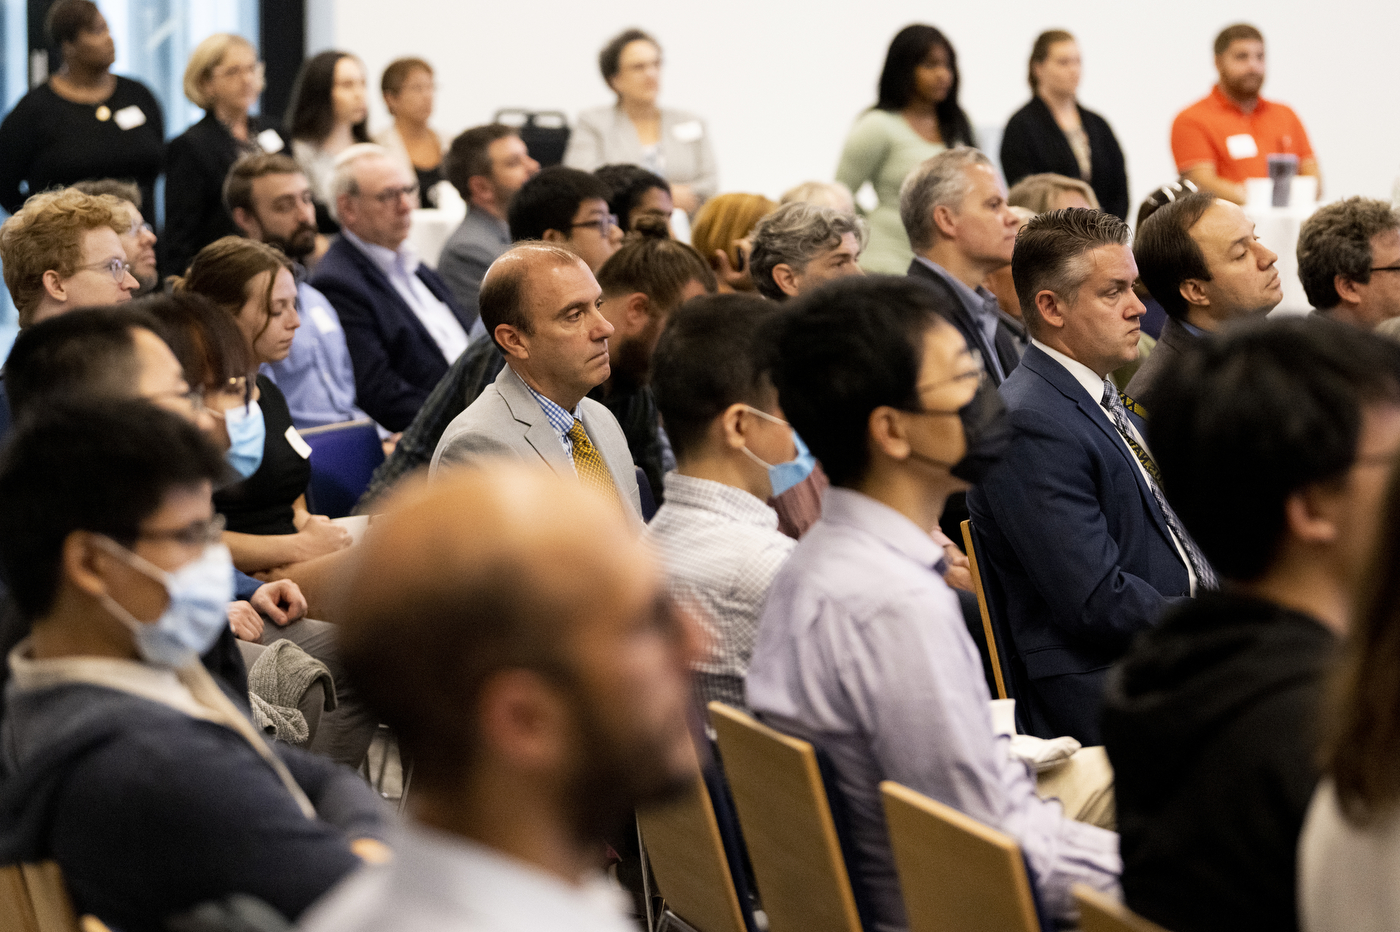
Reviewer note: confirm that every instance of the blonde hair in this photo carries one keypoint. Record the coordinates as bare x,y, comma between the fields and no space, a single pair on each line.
727,218
47,235
1037,192
204,59
831,194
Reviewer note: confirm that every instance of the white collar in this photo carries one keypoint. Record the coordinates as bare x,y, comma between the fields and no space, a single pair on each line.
383,256
1091,380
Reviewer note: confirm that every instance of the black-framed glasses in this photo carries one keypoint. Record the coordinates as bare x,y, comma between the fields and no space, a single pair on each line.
390,195
603,225
117,268
1386,268
194,534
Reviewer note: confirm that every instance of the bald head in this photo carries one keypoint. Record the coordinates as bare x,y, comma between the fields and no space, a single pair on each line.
504,289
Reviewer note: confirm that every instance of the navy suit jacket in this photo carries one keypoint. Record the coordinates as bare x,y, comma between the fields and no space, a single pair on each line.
396,362
1005,347
1079,556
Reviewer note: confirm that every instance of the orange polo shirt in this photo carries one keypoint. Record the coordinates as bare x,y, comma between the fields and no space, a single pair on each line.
1215,131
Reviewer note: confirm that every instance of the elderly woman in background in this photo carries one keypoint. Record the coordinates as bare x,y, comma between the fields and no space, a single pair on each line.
225,78
84,122
1053,133
672,143
408,90
916,117
721,236
326,116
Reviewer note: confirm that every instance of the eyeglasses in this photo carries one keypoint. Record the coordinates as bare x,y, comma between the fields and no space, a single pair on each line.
140,227
390,195
1386,268
256,70
195,534
603,225
980,375
117,268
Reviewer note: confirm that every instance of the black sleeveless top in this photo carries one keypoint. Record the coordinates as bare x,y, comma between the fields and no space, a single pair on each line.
262,503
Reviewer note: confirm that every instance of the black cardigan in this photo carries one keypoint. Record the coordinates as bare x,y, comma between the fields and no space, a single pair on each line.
1034,143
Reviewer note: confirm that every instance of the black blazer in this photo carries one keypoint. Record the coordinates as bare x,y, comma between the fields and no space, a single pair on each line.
1006,349
396,361
1034,143
1174,342
197,161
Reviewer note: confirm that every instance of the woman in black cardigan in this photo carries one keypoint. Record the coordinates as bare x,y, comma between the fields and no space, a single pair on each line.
224,77
1053,133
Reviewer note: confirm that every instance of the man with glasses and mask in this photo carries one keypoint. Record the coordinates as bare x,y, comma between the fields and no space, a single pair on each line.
402,325
270,201
126,763
862,649
1072,525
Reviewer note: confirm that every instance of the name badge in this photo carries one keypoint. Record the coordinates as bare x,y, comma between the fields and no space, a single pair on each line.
1241,146
689,131
321,318
269,141
129,117
301,446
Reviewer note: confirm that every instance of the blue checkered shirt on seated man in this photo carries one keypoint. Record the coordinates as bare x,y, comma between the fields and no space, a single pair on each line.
721,548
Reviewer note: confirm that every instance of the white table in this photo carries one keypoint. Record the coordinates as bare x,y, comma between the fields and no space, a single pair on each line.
1278,228
431,228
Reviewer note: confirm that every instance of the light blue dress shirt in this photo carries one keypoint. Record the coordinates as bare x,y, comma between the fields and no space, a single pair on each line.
317,376
983,307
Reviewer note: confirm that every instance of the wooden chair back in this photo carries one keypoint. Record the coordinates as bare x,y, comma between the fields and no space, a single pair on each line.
992,650
957,875
788,825
1099,912
33,898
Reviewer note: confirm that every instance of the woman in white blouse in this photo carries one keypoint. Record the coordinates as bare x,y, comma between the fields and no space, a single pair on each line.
672,143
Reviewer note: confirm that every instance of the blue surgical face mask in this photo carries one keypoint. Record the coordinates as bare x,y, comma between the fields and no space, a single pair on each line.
247,434
196,615
783,476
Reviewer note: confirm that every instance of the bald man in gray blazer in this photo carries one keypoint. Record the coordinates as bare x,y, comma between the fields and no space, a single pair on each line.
540,304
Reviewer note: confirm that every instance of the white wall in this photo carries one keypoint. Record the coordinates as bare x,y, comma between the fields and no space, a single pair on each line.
780,80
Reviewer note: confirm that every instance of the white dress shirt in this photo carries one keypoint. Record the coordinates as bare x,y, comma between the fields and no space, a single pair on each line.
400,266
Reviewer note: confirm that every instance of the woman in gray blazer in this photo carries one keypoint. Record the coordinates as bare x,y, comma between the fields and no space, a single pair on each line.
672,143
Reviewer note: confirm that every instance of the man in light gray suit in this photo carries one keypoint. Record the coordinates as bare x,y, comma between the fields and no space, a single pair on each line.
487,165
540,303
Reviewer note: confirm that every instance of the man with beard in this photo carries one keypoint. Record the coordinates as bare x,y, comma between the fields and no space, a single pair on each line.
1228,136
556,700
139,241
270,201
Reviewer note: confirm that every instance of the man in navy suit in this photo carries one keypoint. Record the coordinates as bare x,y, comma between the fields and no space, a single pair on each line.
1082,549
402,325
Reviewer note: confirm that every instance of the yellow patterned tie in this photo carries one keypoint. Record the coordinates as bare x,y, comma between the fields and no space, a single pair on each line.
589,462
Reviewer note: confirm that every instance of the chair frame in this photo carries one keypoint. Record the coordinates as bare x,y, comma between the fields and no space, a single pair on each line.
993,651
1099,912
34,898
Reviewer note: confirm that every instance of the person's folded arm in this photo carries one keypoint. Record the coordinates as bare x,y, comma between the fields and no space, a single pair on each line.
341,796
254,553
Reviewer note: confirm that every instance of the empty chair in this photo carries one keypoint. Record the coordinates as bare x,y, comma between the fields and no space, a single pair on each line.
957,875
343,458
1099,912
545,133
788,825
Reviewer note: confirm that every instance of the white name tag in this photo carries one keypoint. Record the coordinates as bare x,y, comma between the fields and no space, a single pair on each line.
1241,146
301,446
689,131
269,141
322,319
129,117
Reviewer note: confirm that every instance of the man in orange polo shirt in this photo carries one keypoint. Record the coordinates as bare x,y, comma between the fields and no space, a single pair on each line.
1227,137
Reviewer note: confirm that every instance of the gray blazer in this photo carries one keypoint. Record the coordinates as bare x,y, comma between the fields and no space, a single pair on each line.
469,252
507,421
605,136
1166,355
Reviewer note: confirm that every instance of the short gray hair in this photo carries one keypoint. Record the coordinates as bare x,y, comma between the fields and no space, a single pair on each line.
938,182
794,235
343,180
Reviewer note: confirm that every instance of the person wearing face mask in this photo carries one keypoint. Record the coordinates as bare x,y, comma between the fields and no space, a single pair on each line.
125,761
715,534
861,647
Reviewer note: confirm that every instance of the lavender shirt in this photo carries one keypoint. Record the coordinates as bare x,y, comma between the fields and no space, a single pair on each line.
862,651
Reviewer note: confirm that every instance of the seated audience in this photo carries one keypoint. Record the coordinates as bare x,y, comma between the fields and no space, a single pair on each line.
1231,133
716,537
721,234
1341,247
487,165
139,240
1156,317
63,250
1200,258
128,764
270,199
642,284
861,648
1212,719
1046,192
408,89
635,131
799,246
637,195
568,208
224,79
962,230
327,115
831,194
1346,858
1053,133
540,304
402,326
1083,549
557,702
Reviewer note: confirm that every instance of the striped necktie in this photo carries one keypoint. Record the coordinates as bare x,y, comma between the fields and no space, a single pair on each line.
588,462
1113,402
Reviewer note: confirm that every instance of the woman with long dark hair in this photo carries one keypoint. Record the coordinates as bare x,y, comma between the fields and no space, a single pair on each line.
916,117
328,115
